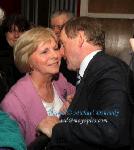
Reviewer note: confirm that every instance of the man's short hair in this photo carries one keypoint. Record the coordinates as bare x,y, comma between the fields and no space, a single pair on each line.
91,27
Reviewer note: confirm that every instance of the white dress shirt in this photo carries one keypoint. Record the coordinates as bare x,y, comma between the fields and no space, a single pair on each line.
86,61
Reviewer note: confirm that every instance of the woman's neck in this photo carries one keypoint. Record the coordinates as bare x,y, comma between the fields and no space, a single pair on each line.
43,86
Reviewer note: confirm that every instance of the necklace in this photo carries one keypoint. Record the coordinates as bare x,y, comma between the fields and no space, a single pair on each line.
45,94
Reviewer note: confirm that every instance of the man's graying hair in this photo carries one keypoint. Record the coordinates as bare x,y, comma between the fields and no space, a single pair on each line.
62,12
92,30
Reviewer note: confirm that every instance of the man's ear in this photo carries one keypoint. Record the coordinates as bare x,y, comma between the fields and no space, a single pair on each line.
81,38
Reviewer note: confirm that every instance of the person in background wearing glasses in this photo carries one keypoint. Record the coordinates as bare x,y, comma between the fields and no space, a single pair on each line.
57,21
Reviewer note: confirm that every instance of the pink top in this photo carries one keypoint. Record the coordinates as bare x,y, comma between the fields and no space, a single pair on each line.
23,104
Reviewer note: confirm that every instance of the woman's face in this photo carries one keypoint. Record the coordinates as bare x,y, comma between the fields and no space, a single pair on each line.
13,35
46,58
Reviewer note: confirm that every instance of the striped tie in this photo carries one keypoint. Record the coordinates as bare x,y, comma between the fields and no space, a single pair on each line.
78,79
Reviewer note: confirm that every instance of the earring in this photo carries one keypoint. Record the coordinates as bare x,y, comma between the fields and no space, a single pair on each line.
31,69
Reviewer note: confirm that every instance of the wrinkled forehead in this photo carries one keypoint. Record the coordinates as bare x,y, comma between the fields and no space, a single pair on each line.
59,20
47,36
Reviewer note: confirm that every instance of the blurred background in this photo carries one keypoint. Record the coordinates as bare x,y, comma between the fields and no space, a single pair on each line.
116,16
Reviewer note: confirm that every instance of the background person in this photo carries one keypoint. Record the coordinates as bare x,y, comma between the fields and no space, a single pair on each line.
106,87
58,19
10,136
3,80
40,93
2,15
12,27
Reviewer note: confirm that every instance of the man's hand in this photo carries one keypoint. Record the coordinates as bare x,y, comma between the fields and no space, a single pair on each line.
66,103
47,124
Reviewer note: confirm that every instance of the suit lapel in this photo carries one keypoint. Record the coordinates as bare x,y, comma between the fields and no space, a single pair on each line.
91,74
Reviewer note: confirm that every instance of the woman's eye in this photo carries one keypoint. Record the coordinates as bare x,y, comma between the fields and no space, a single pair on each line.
45,50
56,49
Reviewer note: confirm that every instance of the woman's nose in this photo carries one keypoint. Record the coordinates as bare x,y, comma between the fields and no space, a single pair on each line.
55,54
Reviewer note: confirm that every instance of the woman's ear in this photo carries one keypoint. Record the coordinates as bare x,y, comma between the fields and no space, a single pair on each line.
31,68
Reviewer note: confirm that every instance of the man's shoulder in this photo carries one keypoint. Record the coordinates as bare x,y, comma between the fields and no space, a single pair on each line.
105,65
104,59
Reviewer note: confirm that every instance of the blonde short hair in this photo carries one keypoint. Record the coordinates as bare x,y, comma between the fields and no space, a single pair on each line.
27,44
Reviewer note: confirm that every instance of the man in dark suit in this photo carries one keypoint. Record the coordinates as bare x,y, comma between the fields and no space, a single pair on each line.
99,115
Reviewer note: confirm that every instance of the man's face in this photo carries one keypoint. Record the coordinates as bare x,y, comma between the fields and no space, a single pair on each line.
71,49
57,24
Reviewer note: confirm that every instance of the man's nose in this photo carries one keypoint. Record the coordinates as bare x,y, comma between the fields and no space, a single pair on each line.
56,30
54,54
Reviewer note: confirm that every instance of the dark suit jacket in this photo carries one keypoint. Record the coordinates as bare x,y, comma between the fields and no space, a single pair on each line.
70,75
99,115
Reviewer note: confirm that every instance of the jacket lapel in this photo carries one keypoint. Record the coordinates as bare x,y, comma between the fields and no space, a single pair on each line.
92,73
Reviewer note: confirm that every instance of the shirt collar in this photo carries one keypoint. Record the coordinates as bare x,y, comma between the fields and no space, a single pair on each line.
86,61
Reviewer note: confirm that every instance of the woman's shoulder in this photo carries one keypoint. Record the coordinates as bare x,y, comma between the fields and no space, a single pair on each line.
22,84
20,94
20,90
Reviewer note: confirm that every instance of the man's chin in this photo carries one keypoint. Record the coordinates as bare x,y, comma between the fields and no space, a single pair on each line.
69,67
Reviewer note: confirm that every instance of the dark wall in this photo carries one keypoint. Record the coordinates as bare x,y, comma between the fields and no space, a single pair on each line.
11,6
118,30
36,11
43,12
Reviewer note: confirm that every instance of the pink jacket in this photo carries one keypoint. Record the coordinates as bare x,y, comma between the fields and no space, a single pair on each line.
23,104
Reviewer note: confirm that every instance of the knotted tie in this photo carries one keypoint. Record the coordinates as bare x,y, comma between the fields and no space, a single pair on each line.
78,79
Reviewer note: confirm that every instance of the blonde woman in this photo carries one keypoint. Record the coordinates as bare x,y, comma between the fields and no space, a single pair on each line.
38,94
